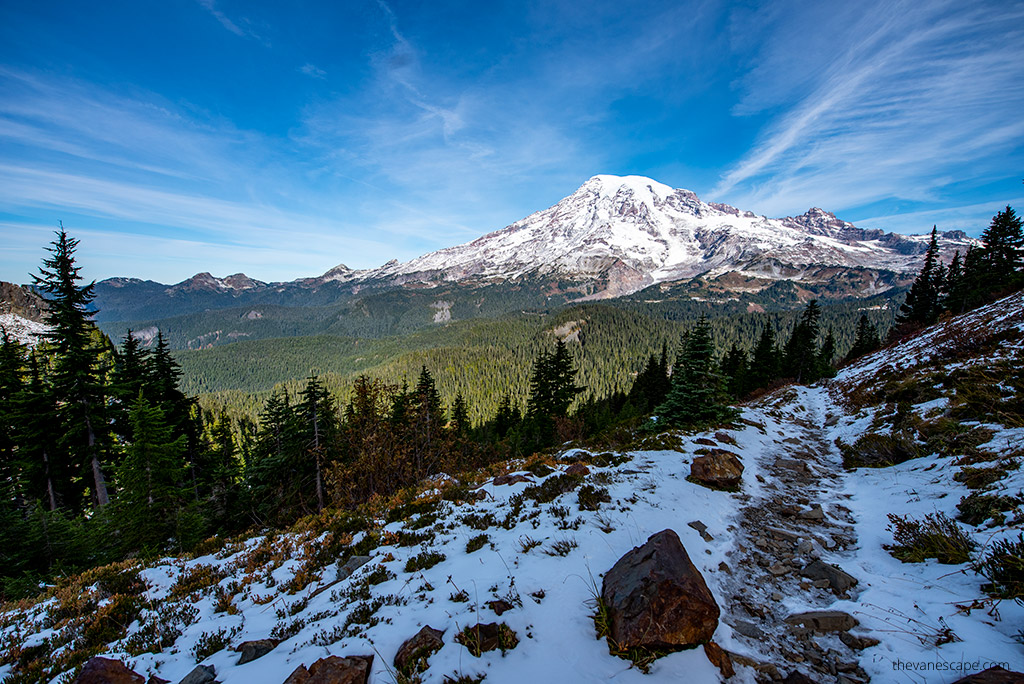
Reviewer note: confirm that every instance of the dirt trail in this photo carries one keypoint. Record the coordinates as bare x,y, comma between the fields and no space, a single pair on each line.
794,533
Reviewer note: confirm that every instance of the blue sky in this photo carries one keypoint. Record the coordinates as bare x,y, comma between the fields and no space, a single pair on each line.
280,139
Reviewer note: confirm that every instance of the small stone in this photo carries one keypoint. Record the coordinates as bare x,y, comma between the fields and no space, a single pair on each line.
858,643
413,654
719,659
824,620
251,650
748,629
779,569
822,583
510,479
499,606
351,565
724,567
776,596
797,677
202,674
702,529
815,513
704,441
840,580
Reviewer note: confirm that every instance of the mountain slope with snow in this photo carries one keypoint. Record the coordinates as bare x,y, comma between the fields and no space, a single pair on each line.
633,232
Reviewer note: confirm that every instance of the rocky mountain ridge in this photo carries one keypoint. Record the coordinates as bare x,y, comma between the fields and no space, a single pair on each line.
612,237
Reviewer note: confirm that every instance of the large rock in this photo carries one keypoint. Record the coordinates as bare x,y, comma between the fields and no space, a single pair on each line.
719,468
656,598
993,675
412,655
107,671
334,670
251,650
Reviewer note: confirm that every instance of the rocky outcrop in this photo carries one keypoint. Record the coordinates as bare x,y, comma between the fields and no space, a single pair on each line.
333,670
657,599
510,479
412,655
107,671
251,650
719,469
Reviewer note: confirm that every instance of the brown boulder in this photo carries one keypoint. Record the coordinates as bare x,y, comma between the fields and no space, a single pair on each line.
107,671
577,469
412,655
334,670
251,650
824,620
510,479
656,598
719,469
993,675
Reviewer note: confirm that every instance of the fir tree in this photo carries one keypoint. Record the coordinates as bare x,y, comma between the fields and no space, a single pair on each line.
866,341
922,305
1004,250
696,397
827,356
765,363
48,478
75,381
129,378
734,368
149,475
12,361
316,409
507,416
460,416
801,360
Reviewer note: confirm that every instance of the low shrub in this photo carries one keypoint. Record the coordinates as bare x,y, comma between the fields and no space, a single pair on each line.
424,561
979,478
477,543
935,536
1003,567
481,638
210,643
878,450
590,498
551,488
976,508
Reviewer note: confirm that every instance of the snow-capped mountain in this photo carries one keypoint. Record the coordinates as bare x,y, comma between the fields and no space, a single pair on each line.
632,231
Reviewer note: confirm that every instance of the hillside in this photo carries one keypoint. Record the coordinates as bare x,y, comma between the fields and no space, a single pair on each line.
937,416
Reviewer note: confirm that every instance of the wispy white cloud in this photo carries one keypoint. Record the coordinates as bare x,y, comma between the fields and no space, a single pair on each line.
313,71
211,7
911,93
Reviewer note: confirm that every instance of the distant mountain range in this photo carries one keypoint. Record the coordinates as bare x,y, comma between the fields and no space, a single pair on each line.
614,237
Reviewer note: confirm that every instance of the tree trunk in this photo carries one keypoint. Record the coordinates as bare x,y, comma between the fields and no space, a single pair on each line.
100,484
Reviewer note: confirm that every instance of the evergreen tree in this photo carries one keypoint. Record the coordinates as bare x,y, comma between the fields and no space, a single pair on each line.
652,383
507,417
801,360
922,305
270,473
129,378
827,356
952,292
734,368
1004,250
150,498
12,361
697,396
460,416
765,364
867,339
47,477
75,380
316,409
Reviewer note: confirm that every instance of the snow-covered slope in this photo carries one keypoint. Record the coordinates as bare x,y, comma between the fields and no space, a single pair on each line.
633,231
444,560
22,330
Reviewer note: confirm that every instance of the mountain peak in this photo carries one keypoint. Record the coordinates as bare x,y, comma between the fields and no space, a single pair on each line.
608,186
